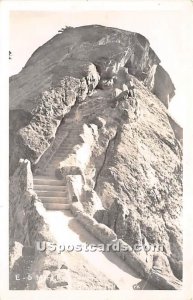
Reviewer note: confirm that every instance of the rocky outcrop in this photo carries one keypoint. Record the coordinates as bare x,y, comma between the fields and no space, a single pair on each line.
33,140
178,130
163,86
34,265
157,272
125,167
29,268
67,69
145,152
77,161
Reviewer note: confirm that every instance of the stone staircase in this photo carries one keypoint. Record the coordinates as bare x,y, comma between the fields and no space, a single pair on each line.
64,149
95,106
52,191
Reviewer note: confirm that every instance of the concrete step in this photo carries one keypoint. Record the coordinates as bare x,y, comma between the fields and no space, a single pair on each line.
43,180
49,199
45,193
51,188
56,206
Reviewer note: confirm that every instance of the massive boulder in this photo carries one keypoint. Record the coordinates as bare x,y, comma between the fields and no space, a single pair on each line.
65,70
140,179
136,160
47,109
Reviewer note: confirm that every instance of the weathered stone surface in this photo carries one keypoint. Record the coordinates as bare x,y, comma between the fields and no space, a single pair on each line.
142,173
68,68
76,208
161,264
156,271
128,152
165,282
178,130
127,106
103,233
163,87
33,140
86,220
59,278
91,202
77,162
75,185
28,225
99,122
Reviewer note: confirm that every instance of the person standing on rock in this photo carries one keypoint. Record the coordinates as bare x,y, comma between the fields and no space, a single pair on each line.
129,83
131,88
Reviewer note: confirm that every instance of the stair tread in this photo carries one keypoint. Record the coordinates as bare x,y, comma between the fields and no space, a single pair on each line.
65,148
53,188
53,197
55,200
46,180
50,171
56,203
51,193
44,177
59,207
59,155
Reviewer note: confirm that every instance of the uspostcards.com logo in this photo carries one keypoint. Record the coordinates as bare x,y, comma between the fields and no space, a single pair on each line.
115,247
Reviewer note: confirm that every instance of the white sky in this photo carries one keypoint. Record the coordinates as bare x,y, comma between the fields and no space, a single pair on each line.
168,32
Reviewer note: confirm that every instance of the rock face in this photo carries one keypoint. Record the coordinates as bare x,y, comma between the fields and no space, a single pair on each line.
163,87
140,181
32,140
28,225
130,152
65,70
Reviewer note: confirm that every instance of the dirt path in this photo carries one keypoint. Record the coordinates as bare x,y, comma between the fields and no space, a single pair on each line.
69,231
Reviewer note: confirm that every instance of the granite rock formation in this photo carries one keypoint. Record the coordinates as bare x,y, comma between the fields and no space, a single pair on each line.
68,68
80,79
